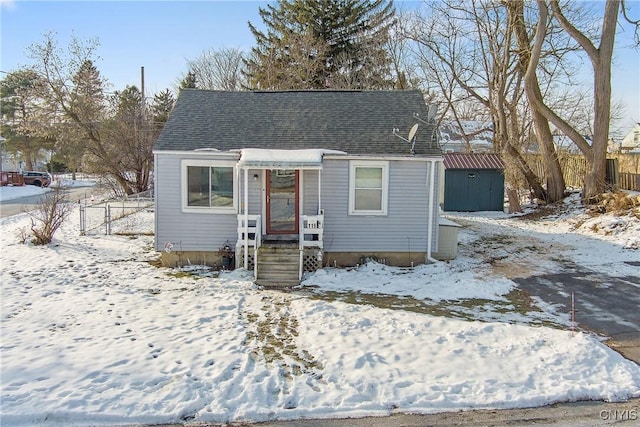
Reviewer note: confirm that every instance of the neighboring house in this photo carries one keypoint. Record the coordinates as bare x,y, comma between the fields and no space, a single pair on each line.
473,182
631,142
479,136
295,180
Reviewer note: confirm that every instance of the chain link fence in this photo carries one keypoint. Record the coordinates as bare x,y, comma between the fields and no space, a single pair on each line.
115,217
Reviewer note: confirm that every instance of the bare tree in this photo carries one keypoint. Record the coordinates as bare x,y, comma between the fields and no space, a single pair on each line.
555,180
601,59
218,69
466,48
116,137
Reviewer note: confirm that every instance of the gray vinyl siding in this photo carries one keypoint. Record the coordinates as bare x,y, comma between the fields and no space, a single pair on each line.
186,230
309,192
255,191
403,229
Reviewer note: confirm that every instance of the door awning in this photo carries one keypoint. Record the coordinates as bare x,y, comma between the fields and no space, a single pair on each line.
260,158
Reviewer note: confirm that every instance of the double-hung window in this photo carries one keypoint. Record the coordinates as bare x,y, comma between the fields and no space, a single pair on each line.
208,186
368,187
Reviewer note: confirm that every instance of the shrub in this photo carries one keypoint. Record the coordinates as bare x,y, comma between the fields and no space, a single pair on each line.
51,212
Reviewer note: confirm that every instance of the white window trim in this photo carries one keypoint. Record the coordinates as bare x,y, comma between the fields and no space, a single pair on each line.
185,163
353,164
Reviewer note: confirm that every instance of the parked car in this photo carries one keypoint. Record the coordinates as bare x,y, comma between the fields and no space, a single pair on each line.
40,179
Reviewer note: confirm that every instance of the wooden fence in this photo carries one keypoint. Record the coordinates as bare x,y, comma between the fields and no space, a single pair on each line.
629,181
11,178
623,170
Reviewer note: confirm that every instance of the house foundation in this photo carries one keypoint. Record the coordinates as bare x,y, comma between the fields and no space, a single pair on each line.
351,259
182,258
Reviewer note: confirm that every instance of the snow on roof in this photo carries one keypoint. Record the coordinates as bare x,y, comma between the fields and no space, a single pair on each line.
287,159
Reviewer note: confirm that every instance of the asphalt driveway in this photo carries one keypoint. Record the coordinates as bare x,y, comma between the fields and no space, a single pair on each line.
606,305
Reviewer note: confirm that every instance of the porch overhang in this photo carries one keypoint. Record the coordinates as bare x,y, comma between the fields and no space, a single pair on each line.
259,158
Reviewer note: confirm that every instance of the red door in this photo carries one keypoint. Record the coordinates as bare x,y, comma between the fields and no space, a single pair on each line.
282,201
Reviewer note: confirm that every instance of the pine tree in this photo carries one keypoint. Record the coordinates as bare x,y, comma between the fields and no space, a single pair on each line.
87,98
189,81
20,114
317,44
86,108
161,108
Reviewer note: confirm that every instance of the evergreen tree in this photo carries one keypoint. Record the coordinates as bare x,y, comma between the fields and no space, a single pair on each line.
316,44
87,96
87,105
129,139
21,113
161,107
189,81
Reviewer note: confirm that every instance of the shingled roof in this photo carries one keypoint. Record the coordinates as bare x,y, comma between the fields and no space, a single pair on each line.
357,122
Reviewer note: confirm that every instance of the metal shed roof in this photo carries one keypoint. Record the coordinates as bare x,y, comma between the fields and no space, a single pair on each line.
472,161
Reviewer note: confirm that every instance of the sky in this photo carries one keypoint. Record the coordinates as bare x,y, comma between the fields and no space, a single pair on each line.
97,335
162,35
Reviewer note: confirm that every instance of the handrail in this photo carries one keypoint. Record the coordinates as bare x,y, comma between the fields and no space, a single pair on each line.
258,242
312,225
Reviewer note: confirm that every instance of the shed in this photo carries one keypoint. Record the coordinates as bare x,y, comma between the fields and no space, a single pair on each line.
473,182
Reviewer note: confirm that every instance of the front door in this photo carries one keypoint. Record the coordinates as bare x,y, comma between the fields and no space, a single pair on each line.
282,201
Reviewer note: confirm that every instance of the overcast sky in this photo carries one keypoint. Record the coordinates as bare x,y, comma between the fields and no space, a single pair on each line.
162,35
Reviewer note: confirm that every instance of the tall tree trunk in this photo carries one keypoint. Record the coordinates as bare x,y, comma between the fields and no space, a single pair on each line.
596,153
528,63
530,176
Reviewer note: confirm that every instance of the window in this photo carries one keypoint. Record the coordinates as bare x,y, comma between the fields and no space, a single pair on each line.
208,186
368,187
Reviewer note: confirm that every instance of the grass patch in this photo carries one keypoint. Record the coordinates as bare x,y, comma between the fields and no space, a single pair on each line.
516,302
182,274
133,234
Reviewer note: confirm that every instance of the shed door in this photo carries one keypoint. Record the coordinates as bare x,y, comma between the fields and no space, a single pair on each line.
282,201
473,190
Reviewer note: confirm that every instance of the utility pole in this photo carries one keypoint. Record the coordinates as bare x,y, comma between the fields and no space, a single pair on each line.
142,81
144,101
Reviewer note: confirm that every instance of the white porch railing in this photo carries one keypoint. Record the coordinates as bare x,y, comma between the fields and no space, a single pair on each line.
249,234
310,226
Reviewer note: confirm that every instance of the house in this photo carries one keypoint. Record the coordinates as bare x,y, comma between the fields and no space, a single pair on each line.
631,142
473,182
464,136
295,180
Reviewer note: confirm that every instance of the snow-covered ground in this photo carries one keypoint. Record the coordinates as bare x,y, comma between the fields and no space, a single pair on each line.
92,333
12,193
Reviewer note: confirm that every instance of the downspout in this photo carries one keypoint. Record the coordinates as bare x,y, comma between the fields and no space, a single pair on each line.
246,219
319,191
431,210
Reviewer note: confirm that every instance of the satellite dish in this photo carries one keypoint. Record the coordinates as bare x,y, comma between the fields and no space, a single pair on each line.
433,109
413,131
411,139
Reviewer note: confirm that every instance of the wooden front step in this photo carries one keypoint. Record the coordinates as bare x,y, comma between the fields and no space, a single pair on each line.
278,265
